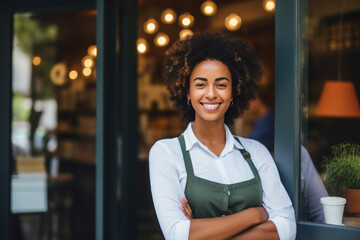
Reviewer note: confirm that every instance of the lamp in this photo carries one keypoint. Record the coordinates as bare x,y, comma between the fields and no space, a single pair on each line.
186,20
73,74
338,99
208,8
168,16
161,40
36,60
184,33
269,5
233,22
92,50
151,26
142,46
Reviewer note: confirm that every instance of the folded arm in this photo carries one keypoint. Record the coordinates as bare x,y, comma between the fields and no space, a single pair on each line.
227,226
264,231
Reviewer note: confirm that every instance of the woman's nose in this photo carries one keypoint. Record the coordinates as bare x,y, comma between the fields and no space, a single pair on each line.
211,93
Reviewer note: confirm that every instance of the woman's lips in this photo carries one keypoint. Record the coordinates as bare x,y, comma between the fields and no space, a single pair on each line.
211,106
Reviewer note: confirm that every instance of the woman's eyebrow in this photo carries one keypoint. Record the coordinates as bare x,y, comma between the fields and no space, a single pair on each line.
221,78
200,78
216,79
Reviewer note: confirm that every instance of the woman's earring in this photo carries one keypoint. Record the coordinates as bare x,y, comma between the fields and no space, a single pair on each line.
188,102
232,103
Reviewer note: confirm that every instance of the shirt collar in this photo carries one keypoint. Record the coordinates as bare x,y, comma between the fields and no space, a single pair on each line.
191,139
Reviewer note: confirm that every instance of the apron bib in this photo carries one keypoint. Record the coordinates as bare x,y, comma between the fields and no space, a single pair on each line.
211,199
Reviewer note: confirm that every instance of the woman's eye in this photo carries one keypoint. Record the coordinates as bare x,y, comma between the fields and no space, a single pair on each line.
221,85
200,85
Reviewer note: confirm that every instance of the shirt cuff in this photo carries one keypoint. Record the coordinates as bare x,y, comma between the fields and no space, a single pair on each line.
182,231
285,228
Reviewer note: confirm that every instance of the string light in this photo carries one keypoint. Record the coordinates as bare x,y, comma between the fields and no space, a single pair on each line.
161,40
87,61
208,8
142,46
73,74
151,26
87,71
184,33
186,20
92,50
36,60
58,74
269,5
168,16
233,22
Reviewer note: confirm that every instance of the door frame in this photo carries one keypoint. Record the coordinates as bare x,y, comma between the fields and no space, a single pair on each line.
288,48
116,100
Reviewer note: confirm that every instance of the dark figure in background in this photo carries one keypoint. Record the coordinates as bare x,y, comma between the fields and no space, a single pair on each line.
311,184
263,130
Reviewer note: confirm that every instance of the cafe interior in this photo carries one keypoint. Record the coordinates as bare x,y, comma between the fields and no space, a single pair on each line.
54,104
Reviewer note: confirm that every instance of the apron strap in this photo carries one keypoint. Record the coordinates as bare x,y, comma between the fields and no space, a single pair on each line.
247,157
186,155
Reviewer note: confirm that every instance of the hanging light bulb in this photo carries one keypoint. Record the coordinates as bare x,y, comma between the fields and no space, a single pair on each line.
161,40
208,8
142,46
233,22
87,61
58,74
151,26
184,33
269,5
73,74
186,20
36,60
92,50
87,71
168,16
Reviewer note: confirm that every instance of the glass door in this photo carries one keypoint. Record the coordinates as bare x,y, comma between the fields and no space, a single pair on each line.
53,125
53,71
317,113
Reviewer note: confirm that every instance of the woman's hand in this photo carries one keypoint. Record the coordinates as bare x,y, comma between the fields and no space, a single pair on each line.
185,208
262,213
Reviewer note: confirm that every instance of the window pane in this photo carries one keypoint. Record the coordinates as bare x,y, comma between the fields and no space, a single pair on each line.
330,151
53,125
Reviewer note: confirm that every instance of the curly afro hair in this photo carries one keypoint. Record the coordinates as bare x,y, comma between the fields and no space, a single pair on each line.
184,55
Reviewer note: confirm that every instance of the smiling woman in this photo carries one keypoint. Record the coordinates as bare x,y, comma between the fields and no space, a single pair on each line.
207,183
210,90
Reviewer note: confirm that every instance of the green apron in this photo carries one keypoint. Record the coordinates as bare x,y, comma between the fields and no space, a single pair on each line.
211,199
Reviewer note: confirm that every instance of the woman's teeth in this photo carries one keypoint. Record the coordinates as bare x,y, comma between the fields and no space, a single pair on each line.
211,106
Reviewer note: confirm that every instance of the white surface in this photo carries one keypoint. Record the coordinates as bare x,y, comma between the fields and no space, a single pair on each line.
333,209
332,200
28,193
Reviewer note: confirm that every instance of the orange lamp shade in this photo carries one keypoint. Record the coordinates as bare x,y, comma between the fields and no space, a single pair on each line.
338,99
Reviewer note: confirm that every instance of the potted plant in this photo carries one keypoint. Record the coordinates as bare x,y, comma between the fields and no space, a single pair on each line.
342,175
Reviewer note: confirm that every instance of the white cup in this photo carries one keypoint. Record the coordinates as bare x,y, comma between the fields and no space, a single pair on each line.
333,209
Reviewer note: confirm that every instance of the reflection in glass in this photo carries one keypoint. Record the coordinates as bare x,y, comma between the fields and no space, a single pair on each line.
53,126
330,103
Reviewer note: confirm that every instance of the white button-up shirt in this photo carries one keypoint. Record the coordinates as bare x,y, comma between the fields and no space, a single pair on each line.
168,180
